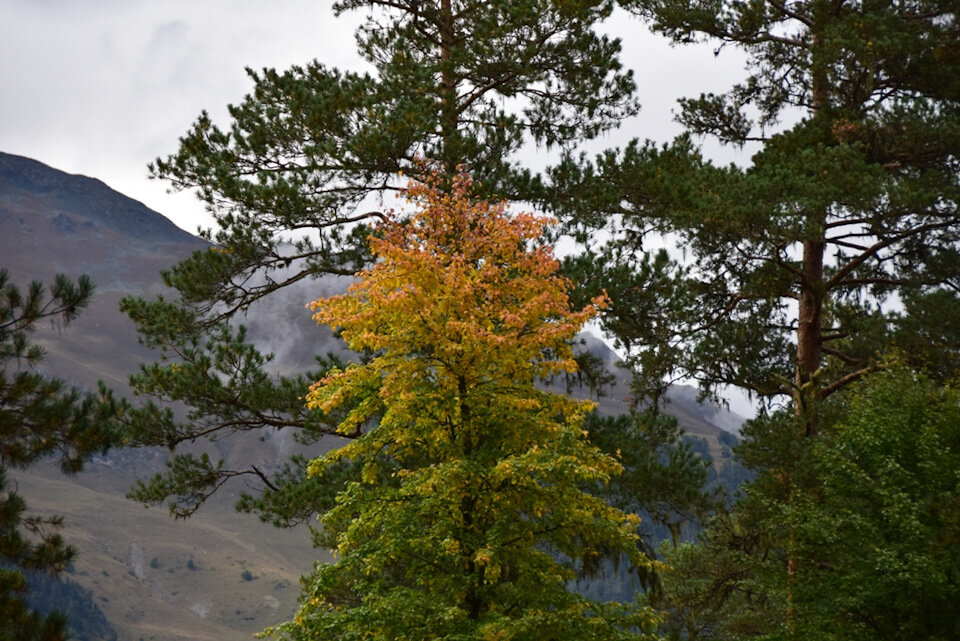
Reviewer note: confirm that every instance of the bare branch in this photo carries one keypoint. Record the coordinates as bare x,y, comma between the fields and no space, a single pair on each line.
843,272
847,379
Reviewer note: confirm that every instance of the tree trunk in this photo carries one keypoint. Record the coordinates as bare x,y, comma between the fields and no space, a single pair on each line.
812,287
448,90
810,328
811,298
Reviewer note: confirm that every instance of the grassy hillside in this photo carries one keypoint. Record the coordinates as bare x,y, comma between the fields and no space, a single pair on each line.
218,576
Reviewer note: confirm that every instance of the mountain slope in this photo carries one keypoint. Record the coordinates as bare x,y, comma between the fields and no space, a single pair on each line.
53,222
33,191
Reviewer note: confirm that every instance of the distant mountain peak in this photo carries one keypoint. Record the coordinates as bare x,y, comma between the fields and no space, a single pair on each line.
73,200
52,221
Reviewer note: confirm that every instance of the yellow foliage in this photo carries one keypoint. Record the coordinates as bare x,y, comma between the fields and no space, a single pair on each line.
463,463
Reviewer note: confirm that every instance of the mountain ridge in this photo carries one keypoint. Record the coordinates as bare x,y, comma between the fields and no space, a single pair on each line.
83,196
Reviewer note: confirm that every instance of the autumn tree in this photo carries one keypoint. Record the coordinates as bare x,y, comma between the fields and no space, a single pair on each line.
467,515
293,182
40,417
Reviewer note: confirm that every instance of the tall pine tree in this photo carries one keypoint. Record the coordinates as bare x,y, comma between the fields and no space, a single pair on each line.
832,255
836,247
462,82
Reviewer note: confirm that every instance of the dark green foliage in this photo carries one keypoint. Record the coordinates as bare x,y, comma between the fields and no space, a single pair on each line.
727,475
670,481
730,584
290,181
832,255
869,521
663,481
880,549
663,477
241,404
645,311
39,417
247,575
20,552
793,265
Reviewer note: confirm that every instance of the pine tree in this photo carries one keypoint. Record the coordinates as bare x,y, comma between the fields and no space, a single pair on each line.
39,417
466,515
836,247
461,82
832,255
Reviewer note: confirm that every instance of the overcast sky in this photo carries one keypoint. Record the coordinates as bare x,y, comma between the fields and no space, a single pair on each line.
102,87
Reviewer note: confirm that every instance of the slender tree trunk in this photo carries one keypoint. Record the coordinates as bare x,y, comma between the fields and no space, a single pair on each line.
810,326
809,343
811,299
448,90
812,286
